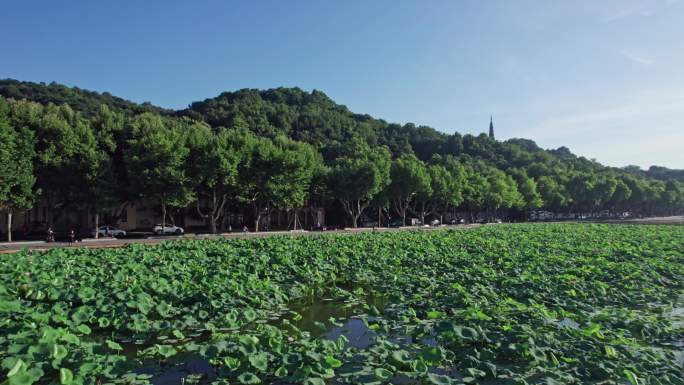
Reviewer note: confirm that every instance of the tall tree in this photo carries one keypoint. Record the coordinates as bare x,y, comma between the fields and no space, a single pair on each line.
531,197
552,193
298,163
16,168
213,166
66,156
409,178
502,192
156,157
358,176
442,191
102,192
620,196
277,175
449,184
474,191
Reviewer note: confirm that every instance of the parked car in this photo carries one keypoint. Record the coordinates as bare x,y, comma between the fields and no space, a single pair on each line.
109,231
167,229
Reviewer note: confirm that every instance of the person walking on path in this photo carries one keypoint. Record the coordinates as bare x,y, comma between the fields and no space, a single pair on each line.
50,235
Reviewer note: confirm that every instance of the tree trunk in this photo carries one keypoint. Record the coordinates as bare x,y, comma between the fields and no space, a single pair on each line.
212,224
215,211
257,217
9,225
97,225
49,214
401,206
213,215
354,210
163,221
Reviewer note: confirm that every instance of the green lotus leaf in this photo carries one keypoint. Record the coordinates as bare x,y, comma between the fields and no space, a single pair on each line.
231,363
382,373
113,345
19,366
59,352
631,377
166,350
435,314
314,381
466,333
292,358
259,361
87,294
250,315
439,379
333,362
70,338
21,378
432,354
81,315
248,378
66,376
164,309
281,372
103,322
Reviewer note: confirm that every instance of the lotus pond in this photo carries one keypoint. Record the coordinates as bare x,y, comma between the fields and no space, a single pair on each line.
506,304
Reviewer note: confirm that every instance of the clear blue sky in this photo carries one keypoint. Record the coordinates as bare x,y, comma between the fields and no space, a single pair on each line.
605,78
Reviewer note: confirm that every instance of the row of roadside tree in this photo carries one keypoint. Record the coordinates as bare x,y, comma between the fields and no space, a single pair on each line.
66,160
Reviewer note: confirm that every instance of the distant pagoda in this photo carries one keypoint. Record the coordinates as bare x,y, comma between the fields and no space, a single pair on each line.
491,127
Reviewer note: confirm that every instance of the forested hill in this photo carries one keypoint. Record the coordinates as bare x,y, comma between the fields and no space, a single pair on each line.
314,118
84,101
657,172
316,150
310,117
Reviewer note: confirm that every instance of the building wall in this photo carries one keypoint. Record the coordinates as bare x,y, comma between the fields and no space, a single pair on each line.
21,218
129,218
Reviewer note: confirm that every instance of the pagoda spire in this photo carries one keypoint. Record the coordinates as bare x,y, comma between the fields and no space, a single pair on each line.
491,127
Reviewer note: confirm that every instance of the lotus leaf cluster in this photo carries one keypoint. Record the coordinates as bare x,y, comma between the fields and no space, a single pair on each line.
506,304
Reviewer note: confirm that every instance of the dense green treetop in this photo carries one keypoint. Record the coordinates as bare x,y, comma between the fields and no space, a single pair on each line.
87,102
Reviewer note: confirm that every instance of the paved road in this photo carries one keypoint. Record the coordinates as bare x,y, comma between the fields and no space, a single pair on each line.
13,247
112,242
675,220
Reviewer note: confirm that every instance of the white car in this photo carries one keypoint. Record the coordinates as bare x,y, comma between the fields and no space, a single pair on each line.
109,231
167,229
